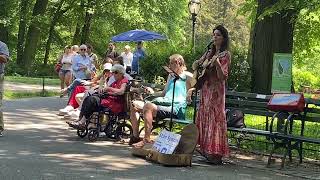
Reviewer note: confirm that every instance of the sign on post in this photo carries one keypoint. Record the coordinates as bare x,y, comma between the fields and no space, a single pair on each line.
281,72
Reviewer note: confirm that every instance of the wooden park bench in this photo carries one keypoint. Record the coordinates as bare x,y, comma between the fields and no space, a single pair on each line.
278,125
278,128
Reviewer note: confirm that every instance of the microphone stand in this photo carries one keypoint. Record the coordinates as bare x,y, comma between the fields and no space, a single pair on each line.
172,103
175,78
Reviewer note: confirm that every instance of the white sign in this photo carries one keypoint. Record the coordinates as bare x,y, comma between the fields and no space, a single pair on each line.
166,142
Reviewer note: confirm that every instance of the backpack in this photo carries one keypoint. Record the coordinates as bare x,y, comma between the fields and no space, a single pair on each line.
235,118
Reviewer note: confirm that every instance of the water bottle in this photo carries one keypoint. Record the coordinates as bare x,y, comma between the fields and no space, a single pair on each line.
101,82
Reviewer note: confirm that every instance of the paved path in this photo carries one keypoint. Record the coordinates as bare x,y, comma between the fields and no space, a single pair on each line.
38,145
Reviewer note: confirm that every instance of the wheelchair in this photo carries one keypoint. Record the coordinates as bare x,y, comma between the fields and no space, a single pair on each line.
115,127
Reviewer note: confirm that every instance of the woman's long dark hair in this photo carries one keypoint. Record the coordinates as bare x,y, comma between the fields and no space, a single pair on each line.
225,43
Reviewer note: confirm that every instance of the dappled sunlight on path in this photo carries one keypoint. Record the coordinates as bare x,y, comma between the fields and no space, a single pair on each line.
39,145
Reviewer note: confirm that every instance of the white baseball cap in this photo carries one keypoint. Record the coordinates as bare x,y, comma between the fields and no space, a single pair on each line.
107,66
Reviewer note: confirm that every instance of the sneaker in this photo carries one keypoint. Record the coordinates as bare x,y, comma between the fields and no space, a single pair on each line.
65,110
74,114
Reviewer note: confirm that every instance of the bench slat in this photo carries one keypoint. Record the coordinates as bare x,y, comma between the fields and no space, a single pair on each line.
250,131
180,121
248,95
246,103
298,138
254,111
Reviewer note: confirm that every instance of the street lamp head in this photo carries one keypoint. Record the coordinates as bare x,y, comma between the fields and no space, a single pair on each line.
194,7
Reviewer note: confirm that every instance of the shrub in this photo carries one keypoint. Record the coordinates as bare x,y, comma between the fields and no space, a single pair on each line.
303,78
240,73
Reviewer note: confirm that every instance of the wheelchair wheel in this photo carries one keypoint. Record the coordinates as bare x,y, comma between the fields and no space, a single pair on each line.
124,131
93,135
82,133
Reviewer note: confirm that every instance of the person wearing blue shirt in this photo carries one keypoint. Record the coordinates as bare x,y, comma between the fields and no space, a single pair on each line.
161,107
4,57
138,55
82,66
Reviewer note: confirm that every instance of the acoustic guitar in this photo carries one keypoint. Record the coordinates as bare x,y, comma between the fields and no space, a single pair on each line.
203,68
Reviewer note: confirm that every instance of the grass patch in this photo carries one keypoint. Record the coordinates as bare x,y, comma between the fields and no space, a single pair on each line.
32,80
8,95
260,143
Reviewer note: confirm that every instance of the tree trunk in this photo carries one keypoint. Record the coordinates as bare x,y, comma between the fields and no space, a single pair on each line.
86,28
22,30
57,14
271,35
33,35
4,33
76,36
4,14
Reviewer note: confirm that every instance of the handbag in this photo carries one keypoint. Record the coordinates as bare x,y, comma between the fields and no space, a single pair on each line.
57,67
235,118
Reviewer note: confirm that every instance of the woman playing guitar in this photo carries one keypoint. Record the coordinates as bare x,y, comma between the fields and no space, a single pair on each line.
211,120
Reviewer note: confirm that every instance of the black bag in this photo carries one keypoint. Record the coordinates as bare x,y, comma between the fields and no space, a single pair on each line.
235,118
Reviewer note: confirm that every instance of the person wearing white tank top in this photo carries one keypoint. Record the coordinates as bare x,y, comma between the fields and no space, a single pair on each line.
65,73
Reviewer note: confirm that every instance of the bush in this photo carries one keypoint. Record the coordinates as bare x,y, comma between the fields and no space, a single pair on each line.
240,72
303,78
151,67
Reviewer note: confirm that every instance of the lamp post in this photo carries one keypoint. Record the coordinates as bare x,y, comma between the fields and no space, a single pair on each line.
194,7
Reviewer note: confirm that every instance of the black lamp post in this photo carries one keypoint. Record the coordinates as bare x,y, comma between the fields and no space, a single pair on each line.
194,7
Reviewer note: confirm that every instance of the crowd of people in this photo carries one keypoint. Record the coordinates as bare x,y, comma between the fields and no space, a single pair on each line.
82,64
210,119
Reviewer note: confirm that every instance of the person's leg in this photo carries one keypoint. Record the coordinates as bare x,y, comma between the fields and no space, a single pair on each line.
149,111
68,78
90,105
73,100
79,98
1,96
61,76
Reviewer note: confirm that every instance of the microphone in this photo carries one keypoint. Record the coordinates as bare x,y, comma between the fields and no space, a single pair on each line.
209,45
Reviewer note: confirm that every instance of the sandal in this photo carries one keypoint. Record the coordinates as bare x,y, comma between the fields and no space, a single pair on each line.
72,121
78,125
142,143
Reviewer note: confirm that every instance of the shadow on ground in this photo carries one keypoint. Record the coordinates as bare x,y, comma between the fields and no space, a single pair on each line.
39,145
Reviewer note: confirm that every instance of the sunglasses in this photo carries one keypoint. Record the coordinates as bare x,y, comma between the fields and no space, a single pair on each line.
82,49
115,72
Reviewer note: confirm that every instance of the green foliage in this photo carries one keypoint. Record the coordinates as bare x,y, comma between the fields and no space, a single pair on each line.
152,66
239,76
304,78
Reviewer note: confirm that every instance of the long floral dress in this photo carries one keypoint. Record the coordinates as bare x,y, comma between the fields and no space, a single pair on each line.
211,119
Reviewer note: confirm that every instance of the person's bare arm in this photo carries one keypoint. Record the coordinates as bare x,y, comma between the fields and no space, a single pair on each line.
222,68
3,59
115,91
166,87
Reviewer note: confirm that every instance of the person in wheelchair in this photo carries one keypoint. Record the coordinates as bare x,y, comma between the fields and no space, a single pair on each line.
160,107
113,98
